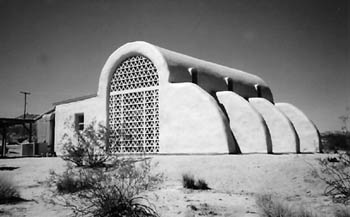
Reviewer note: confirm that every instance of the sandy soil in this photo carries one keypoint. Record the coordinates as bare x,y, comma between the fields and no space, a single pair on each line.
235,180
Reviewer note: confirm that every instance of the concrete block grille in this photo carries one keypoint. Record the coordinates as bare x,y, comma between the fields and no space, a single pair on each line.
134,107
133,73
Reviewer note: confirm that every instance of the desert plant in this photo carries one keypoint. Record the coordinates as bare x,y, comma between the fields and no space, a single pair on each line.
117,191
100,183
8,192
336,174
272,207
117,199
87,147
201,184
71,180
188,181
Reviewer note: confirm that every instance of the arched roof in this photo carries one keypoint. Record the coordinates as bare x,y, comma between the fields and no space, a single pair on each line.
172,65
175,59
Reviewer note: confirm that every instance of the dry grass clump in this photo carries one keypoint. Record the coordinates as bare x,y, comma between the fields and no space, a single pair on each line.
8,192
188,181
272,207
70,181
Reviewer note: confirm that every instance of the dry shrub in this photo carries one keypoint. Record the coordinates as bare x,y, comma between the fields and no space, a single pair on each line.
8,192
188,181
100,183
272,207
335,171
114,191
70,181
88,147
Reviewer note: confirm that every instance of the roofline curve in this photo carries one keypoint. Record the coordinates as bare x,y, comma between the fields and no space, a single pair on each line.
127,50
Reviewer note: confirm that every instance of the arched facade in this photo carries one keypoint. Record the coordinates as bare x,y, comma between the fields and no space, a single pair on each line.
133,106
155,100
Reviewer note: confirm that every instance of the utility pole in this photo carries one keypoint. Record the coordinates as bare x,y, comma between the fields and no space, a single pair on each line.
25,103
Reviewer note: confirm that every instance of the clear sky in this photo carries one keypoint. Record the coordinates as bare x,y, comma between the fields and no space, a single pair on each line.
56,49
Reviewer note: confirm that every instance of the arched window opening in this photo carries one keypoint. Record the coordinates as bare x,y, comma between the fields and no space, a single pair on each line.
134,107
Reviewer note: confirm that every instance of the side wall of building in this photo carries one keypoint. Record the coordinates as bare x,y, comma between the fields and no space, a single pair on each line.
247,125
93,110
283,135
307,132
191,121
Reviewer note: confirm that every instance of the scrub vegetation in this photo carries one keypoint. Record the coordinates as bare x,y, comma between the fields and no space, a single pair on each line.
335,172
8,191
274,207
188,181
87,147
98,182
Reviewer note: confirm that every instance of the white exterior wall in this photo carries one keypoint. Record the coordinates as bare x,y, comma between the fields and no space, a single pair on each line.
307,132
191,121
283,136
247,125
93,109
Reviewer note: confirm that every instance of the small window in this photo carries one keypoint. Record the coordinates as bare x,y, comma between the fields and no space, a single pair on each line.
79,121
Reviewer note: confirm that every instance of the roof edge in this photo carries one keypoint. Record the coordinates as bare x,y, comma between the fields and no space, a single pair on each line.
74,99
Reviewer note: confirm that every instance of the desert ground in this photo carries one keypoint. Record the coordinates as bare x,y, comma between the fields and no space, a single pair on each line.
235,181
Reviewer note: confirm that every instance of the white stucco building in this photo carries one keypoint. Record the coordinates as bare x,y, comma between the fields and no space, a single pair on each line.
166,102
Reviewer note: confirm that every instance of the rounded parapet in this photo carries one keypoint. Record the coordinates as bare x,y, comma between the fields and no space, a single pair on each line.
131,49
175,67
247,125
283,136
306,130
191,121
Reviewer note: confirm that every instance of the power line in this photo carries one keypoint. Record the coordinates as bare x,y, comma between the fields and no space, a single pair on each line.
25,102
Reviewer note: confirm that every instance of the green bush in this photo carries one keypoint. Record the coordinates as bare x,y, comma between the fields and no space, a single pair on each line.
188,181
272,207
8,192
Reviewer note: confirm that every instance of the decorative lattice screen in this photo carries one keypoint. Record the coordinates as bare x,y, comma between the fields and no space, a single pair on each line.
134,107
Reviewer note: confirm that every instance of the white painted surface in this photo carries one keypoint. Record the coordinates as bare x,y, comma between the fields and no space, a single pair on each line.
173,67
307,132
283,136
247,125
191,121
93,109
